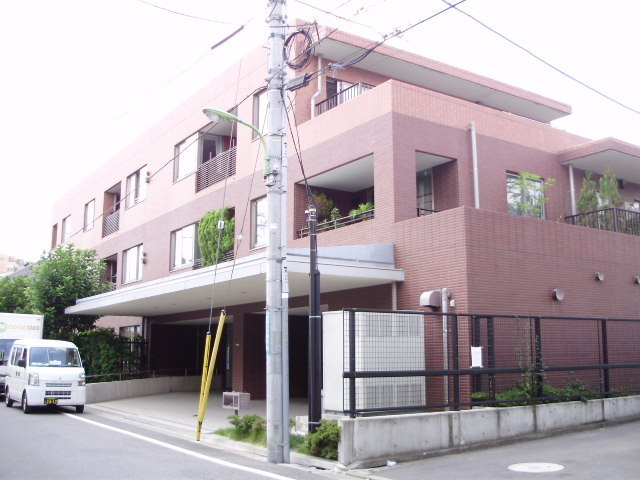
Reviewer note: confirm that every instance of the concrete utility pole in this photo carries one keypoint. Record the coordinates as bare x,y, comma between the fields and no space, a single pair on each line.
277,307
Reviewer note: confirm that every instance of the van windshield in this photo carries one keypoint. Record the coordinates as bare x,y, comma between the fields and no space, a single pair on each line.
54,357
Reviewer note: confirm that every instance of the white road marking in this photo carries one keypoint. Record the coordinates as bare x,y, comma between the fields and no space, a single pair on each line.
535,467
181,450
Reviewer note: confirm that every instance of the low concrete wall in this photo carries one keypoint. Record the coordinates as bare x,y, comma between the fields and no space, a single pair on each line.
407,437
104,392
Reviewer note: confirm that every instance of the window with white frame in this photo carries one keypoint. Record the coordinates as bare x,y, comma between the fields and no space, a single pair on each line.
186,161
525,195
260,119
184,246
136,187
259,222
66,229
132,260
89,215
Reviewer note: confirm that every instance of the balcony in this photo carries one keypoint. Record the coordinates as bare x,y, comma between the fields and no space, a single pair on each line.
613,219
338,222
111,223
216,169
343,96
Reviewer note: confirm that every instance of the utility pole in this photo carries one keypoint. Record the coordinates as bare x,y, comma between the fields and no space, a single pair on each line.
277,305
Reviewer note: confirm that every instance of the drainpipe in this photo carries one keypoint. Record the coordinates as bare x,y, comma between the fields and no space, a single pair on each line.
318,91
474,156
394,295
445,342
572,187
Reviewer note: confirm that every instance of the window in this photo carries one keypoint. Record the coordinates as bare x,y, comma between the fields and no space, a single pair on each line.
424,189
260,120
66,229
130,333
54,235
136,187
132,261
184,246
525,195
259,223
89,215
186,161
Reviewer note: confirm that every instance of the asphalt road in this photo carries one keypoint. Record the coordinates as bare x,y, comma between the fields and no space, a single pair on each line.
60,444
605,453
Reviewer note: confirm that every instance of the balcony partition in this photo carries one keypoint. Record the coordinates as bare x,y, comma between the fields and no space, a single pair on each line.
111,223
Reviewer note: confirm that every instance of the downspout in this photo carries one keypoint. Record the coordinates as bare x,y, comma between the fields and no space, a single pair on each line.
445,343
474,156
572,187
394,295
318,91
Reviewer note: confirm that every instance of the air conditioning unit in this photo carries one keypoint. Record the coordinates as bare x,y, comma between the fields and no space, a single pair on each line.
383,342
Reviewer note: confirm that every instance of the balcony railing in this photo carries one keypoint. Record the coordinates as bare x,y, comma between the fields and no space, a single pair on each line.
226,257
337,223
425,211
111,223
613,219
216,169
343,96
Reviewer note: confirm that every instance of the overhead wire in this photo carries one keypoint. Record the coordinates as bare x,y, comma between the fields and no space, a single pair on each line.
548,64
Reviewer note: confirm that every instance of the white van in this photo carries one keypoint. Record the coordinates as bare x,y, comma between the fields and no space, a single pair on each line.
45,372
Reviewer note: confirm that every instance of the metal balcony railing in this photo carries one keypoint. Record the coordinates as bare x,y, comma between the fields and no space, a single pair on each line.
111,223
217,169
613,219
425,211
338,222
343,96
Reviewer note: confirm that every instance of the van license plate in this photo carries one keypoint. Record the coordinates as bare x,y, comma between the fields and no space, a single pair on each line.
50,401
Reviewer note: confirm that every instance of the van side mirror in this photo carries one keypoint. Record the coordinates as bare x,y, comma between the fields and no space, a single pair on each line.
22,363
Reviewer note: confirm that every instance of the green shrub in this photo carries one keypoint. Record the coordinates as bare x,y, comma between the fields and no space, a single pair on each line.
324,441
363,207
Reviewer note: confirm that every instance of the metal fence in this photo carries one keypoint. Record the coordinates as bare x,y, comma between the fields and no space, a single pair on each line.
613,219
423,361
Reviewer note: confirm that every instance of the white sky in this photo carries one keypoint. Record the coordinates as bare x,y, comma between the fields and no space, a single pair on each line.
81,78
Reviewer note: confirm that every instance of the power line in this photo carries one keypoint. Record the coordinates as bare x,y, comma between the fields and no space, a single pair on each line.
186,14
529,52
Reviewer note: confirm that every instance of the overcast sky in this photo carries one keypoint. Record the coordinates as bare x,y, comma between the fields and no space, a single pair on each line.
81,78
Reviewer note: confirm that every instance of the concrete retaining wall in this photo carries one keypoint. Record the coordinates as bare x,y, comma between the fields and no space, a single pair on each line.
104,392
412,436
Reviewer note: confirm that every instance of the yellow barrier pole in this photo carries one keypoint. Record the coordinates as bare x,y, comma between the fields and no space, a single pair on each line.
203,382
212,361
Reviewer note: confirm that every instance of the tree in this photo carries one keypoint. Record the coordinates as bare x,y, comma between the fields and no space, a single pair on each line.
588,201
609,194
324,205
208,234
60,278
13,295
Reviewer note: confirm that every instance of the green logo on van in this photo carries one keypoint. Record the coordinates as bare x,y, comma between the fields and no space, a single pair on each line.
3,327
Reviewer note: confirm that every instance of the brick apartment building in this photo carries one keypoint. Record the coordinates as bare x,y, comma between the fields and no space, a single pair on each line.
433,148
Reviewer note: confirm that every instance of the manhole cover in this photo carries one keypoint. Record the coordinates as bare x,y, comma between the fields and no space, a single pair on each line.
535,467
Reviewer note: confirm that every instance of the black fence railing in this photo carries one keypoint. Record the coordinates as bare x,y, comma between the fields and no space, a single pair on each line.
423,361
338,222
425,211
343,96
613,219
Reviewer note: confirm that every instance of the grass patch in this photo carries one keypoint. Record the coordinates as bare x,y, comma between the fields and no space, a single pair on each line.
253,429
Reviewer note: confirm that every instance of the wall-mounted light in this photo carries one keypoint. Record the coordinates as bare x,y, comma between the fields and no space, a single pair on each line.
600,276
557,294
636,279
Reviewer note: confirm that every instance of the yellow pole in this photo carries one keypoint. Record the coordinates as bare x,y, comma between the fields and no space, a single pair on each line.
205,371
204,394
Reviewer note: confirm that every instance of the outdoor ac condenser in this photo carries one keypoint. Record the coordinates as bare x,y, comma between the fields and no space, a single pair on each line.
384,342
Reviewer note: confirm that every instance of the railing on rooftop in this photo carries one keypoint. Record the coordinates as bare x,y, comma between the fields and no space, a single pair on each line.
613,219
338,222
217,169
343,96
111,223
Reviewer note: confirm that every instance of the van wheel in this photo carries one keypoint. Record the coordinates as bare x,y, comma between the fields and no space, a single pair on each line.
79,408
7,400
25,405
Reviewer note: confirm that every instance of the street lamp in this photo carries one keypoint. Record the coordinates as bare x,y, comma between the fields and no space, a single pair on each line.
277,292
